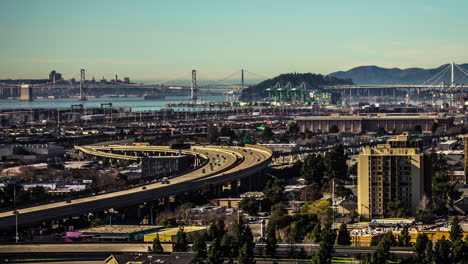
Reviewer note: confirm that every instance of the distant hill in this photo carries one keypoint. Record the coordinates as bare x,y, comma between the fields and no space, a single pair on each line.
312,81
378,75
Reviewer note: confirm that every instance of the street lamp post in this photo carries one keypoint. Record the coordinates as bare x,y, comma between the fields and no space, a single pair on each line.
16,224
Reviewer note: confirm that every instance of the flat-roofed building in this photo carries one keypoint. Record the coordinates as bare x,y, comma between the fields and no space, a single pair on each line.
391,122
392,174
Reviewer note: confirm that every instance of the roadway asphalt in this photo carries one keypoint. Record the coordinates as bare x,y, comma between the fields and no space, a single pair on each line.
238,162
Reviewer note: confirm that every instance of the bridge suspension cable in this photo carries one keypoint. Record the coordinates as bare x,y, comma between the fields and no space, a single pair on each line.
438,75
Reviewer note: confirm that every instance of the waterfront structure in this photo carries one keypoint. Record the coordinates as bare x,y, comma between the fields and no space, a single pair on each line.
389,174
391,122
25,92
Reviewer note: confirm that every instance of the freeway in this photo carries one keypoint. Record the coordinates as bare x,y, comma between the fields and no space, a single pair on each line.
68,249
229,163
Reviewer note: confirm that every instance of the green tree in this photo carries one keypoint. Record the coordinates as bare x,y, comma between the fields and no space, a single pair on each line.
344,238
226,245
316,235
325,251
217,229
274,191
249,205
199,247
181,243
157,247
267,133
419,247
456,232
335,163
239,239
293,128
271,242
334,129
442,251
246,254
168,222
215,254
459,252
382,252
428,254
312,170
404,239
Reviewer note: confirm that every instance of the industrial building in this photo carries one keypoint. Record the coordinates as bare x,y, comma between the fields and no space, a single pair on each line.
391,122
32,153
392,174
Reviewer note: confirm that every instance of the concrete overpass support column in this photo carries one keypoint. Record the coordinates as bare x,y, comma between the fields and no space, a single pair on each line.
234,187
167,203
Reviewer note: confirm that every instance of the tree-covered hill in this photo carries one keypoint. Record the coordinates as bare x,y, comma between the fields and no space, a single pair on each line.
312,81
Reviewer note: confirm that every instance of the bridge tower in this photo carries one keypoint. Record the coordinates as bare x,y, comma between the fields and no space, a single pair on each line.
452,81
242,79
82,80
193,87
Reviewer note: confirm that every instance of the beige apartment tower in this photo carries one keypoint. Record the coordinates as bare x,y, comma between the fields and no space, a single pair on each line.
392,172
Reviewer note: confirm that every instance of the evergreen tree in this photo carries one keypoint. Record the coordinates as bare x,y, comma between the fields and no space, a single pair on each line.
271,242
428,253
215,255
274,191
157,247
325,251
316,235
419,247
456,232
217,229
459,252
199,247
181,242
404,239
246,253
382,252
344,239
442,251
226,245
238,241
312,170
335,163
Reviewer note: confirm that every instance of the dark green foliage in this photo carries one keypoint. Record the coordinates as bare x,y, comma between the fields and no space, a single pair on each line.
217,229
344,237
157,247
316,235
249,205
181,243
273,191
313,170
293,128
168,222
226,245
419,247
246,254
215,254
442,251
404,239
271,242
428,254
267,133
311,80
199,247
227,132
456,232
335,163
459,252
382,252
334,129
325,251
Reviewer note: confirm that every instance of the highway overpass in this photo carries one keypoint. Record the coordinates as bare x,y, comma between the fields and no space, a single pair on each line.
221,165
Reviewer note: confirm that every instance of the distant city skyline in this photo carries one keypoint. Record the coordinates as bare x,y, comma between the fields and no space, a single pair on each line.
155,40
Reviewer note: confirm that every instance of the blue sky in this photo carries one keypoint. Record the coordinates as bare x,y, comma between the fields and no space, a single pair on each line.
153,40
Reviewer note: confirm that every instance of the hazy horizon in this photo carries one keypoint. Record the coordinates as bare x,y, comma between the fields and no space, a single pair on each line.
155,40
